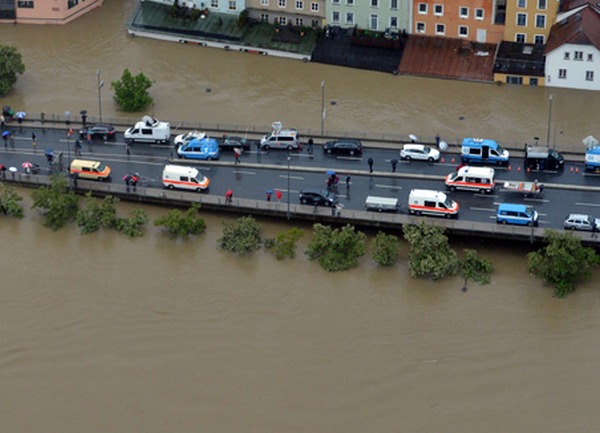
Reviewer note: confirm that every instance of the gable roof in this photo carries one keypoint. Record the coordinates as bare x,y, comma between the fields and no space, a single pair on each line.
582,28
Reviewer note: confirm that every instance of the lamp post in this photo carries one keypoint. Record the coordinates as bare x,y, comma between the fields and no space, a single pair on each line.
288,186
549,120
322,107
100,84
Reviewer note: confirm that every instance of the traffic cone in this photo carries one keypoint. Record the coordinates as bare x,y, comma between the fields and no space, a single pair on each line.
508,168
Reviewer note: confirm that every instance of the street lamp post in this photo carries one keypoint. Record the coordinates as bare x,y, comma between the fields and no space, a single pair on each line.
322,107
288,186
100,84
549,121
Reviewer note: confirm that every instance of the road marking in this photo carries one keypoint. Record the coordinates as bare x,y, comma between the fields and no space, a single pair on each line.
244,172
349,158
540,200
588,204
378,185
283,176
483,209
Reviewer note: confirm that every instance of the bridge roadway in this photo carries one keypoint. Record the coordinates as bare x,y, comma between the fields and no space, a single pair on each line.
565,192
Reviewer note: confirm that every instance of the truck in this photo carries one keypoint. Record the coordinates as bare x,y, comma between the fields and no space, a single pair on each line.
483,151
540,158
149,130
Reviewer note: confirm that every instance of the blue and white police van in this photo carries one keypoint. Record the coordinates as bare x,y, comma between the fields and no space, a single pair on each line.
483,151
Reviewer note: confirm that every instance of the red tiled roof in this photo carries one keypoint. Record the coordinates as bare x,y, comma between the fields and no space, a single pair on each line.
581,28
447,58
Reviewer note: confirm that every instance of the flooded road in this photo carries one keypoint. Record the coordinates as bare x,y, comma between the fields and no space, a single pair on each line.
101,333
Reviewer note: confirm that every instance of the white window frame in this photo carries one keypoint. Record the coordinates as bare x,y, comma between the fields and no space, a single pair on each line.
420,23
299,5
521,14
562,74
589,75
443,31
374,3
466,34
349,2
537,37
479,11
374,18
299,22
590,57
335,2
435,10
314,7
394,5
578,55
282,4
335,17
264,18
522,4
214,4
350,15
538,16
282,21
466,11
567,55
392,25
522,36
424,11
542,5
232,5
264,2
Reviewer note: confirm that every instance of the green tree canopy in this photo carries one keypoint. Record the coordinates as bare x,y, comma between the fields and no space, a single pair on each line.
385,249
182,224
95,214
475,268
135,225
131,93
336,249
430,254
284,245
563,262
11,64
10,202
241,237
57,203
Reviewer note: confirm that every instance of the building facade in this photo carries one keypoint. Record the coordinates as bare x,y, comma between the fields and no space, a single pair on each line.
376,15
529,21
473,20
299,13
45,11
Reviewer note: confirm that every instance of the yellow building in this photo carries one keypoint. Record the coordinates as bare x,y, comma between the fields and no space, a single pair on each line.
529,21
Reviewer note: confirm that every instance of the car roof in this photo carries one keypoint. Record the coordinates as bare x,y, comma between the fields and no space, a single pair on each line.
413,146
579,216
512,206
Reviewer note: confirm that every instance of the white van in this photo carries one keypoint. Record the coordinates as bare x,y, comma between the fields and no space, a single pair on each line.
149,130
281,139
426,201
184,177
472,178
88,169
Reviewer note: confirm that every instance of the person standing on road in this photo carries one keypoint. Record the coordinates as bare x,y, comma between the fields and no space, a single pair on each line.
128,146
229,196
236,155
370,162
310,145
33,141
77,147
394,163
347,181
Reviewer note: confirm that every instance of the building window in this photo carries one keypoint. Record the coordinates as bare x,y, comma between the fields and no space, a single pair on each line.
522,4
232,5
299,22
349,18
538,39
335,17
316,23
350,2
578,55
463,12
589,75
374,22
299,5
420,27
562,73
264,18
281,3
264,2
533,81
567,55
542,4
314,7
440,29
214,4
374,3
521,19
422,8
283,21
335,2
25,4
438,9
393,22
463,31
514,80
394,4
72,3
540,21
590,57
520,38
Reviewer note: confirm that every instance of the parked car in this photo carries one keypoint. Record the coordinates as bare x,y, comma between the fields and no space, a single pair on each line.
419,152
518,214
576,221
345,147
230,143
187,137
318,197
106,132
206,148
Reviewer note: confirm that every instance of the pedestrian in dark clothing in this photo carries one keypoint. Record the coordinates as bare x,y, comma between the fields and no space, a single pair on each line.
127,180
310,145
135,178
128,146
394,163
84,119
370,162
347,181
268,195
77,147
5,138
437,140
33,141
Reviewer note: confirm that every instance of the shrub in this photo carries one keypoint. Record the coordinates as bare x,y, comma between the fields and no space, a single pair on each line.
430,254
10,203
336,249
180,224
385,249
241,237
57,203
284,245
95,215
135,225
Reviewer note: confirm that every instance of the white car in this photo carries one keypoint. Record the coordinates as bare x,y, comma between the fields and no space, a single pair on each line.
419,152
187,137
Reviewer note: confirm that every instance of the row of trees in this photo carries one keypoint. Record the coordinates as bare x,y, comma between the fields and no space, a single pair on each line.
562,263
131,92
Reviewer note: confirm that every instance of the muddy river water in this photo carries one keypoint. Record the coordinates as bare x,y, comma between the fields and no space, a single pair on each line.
101,333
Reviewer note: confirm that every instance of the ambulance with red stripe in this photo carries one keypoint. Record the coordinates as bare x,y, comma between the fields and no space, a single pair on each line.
472,178
184,177
87,169
430,202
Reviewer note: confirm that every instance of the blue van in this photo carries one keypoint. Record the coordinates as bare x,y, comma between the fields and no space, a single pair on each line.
483,151
518,214
592,159
205,148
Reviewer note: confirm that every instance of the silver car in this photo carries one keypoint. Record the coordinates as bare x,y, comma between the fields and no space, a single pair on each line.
420,152
583,222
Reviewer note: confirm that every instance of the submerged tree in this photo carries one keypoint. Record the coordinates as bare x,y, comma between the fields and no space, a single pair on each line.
284,245
135,225
182,224
243,236
475,268
11,64
10,202
385,249
131,93
57,203
336,249
95,214
430,254
563,262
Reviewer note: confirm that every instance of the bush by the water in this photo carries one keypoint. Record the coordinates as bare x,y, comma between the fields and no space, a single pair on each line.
385,249
182,224
243,236
10,202
336,249
284,245
56,202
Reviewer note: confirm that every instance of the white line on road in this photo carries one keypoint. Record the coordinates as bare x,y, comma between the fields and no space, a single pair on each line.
283,176
539,200
244,172
588,204
483,209
379,185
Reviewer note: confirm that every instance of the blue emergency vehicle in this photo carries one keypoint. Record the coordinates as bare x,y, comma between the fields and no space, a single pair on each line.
483,151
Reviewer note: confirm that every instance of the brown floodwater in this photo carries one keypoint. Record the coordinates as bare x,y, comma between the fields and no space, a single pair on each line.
102,333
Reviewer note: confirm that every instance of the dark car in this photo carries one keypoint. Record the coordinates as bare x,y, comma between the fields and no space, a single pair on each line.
346,147
318,197
106,132
230,143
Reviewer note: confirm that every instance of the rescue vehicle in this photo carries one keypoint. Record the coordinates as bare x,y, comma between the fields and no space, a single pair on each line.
472,178
430,202
184,177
